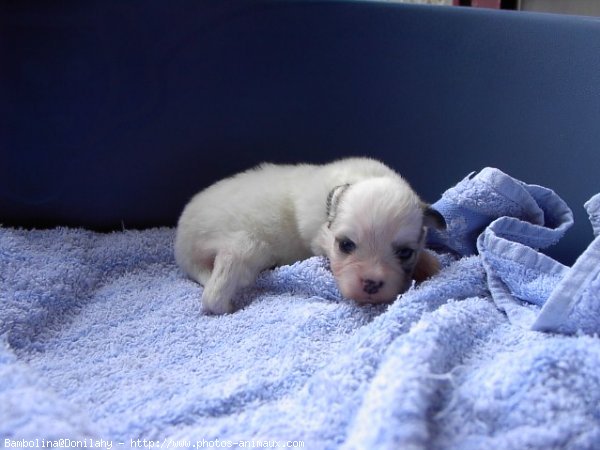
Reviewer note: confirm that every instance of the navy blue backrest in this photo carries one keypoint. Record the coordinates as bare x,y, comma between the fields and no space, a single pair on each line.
112,114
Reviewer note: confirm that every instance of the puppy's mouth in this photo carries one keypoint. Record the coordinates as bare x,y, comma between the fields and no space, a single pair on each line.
365,298
361,297
373,301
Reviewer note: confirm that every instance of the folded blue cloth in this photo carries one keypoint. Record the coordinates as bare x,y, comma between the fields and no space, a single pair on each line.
481,198
574,304
506,222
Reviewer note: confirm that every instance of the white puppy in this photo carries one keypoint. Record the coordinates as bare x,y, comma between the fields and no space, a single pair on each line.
358,212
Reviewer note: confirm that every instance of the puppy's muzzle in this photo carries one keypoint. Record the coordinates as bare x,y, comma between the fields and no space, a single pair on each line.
372,287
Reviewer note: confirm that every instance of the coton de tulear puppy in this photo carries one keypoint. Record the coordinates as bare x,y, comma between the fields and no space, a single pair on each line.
358,212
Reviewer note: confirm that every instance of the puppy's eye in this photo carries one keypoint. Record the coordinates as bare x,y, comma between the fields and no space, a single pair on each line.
404,253
346,246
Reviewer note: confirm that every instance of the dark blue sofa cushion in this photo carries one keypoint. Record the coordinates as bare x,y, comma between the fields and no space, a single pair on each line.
114,113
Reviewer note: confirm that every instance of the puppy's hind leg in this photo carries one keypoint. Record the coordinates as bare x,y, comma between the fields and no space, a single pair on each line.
234,268
221,285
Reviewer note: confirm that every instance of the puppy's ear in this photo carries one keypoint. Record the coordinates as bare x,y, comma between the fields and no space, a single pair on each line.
333,200
426,267
432,218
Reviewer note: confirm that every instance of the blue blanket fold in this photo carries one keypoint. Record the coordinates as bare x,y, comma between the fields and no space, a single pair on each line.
574,304
512,221
102,337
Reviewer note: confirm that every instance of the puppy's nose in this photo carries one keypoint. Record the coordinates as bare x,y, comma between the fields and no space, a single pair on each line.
371,286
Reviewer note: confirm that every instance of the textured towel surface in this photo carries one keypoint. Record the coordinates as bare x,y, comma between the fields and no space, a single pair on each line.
102,337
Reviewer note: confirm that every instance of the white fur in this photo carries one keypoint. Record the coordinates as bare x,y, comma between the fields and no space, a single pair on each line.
277,214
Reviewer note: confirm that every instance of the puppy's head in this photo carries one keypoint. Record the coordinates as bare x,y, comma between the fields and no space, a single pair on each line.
374,236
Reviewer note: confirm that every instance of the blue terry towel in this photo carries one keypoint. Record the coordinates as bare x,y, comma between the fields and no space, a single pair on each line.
102,339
